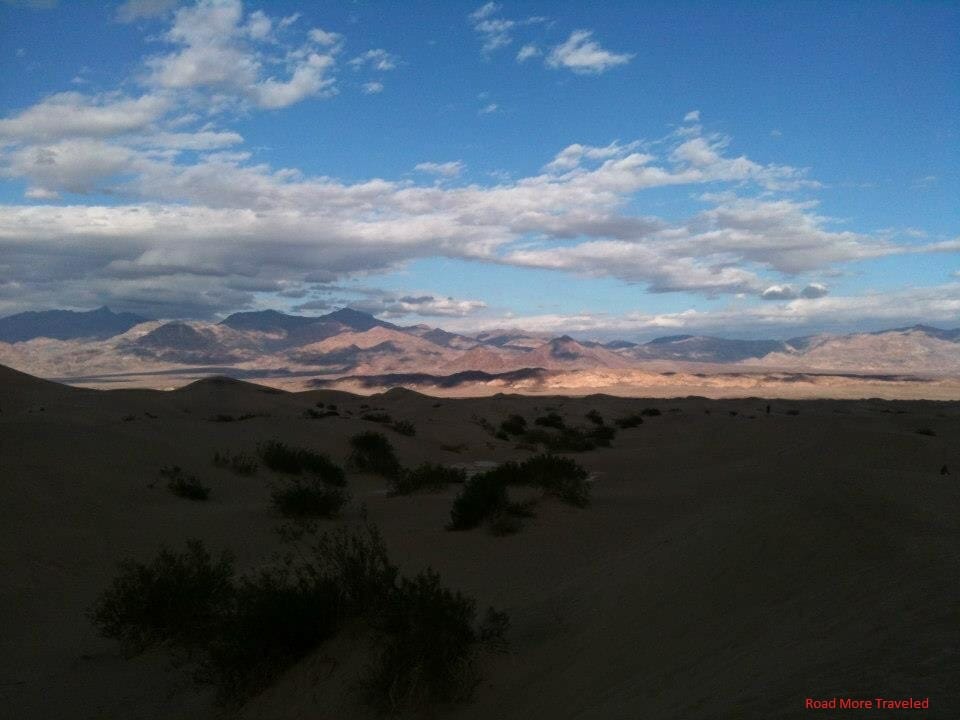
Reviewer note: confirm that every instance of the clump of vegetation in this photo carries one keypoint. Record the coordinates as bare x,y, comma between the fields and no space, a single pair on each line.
240,463
514,425
372,452
281,457
178,598
552,420
485,497
427,476
184,485
377,417
129,418
793,411
428,636
594,417
650,412
404,427
628,421
245,631
926,431
312,414
311,498
483,423
223,417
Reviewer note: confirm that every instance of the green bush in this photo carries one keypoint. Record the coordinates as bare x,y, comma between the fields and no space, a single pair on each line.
594,417
377,417
295,461
550,420
372,452
404,427
240,463
427,476
183,485
482,497
249,630
310,498
513,425
428,644
178,598
561,477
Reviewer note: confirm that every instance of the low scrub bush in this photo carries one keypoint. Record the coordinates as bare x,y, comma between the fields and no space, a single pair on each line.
223,417
628,421
281,457
312,414
377,417
482,497
650,412
594,417
427,476
513,425
241,463
561,477
308,499
552,420
927,431
246,631
184,485
404,427
372,452
177,598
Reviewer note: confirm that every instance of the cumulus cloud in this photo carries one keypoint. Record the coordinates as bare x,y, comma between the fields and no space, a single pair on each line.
527,52
495,30
447,169
378,59
692,116
584,56
372,88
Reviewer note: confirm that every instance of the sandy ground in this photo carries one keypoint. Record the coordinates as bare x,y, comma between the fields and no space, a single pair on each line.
730,565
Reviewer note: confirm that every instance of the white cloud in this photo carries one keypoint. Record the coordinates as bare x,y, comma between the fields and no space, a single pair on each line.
582,55
377,59
692,116
488,109
778,292
814,291
324,37
372,88
495,30
74,114
527,52
446,169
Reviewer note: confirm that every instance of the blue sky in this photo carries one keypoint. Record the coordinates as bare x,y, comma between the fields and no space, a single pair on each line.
608,169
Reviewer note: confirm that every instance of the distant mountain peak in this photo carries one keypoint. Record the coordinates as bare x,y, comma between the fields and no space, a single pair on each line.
100,324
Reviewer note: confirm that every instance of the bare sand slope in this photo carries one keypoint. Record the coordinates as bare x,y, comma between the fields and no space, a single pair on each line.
728,567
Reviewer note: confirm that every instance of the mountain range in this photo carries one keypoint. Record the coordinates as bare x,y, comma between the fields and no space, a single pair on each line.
348,342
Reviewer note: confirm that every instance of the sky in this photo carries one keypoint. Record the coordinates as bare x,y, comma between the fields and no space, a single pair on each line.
613,169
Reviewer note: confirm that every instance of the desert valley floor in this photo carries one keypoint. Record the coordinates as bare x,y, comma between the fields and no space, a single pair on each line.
731,563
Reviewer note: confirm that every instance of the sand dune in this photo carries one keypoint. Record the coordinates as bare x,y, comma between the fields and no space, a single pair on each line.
730,565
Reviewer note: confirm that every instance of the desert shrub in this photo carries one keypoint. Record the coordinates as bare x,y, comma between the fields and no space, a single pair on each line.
484,423
241,463
377,417
247,631
428,644
482,497
404,427
561,477
602,435
926,431
183,485
223,417
189,487
310,498
312,414
372,452
281,457
177,598
650,412
513,425
571,440
505,523
276,617
628,421
427,476
550,420
594,417
793,411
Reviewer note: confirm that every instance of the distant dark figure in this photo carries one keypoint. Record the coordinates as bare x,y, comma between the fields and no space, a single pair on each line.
944,470
768,409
